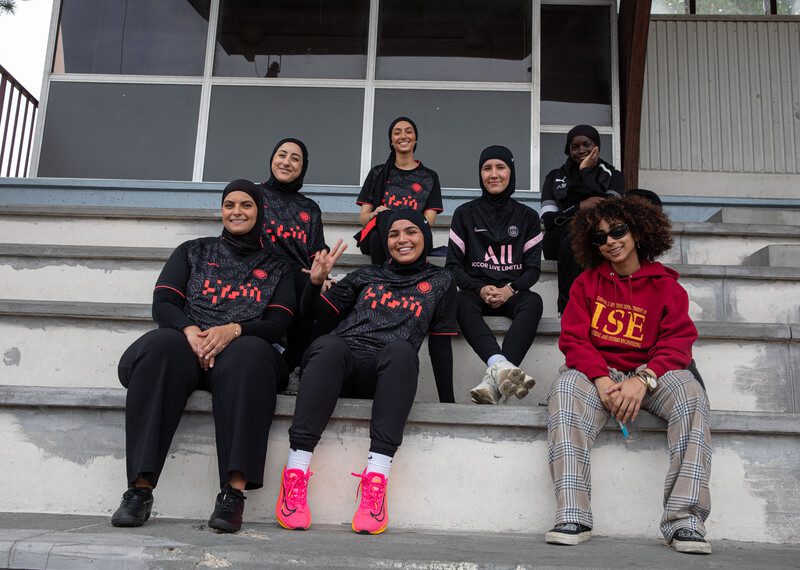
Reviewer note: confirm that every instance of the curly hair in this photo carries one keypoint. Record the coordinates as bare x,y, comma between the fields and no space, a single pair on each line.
648,223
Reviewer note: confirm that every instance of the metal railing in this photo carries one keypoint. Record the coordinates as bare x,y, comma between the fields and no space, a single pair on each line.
17,135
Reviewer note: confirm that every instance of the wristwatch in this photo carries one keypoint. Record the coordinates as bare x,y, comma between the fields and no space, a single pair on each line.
649,380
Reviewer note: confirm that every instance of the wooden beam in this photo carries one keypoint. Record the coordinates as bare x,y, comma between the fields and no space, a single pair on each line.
634,27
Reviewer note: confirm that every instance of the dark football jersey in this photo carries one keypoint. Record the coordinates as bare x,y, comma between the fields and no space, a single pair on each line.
293,225
223,287
496,246
417,189
385,306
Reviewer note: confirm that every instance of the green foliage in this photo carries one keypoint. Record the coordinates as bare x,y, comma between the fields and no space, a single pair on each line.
7,6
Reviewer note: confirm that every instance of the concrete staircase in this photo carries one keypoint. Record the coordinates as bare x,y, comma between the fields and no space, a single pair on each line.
77,265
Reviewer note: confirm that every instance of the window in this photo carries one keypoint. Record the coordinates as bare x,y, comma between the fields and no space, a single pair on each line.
465,40
301,38
576,65
454,127
102,130
246,122
132,37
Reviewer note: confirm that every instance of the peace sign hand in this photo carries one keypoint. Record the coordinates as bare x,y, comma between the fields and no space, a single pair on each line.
324,262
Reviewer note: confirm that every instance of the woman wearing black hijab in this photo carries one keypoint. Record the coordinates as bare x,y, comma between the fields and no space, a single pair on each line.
401,182
293,225
373,353
495,256
581,182
220,303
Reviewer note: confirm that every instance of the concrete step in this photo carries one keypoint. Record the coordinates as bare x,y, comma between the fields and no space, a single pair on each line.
177,195
776,255
747,366
695,242
69,541
761,216
127,274
466,468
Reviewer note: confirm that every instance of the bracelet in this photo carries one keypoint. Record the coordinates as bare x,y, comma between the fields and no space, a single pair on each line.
238,330
641,377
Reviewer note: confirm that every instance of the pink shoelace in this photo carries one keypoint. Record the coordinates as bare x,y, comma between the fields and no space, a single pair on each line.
296,490
371,492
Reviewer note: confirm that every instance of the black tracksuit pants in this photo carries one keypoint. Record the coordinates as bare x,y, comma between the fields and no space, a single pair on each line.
304,328
331,370
524,309
557,245
160,372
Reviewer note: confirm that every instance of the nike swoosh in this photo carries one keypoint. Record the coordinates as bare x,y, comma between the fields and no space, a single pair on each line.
284,511
381,514
481,230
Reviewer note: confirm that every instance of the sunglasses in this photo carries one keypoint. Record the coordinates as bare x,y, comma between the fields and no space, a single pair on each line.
600,238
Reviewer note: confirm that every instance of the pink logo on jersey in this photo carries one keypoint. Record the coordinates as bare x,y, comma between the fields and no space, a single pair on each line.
259,273
424,287
505,255
305,217
416,187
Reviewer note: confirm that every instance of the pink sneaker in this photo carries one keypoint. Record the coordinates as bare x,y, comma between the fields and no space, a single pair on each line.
372,516
292,510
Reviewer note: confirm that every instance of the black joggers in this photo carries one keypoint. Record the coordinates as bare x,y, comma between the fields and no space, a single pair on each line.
331,370
160,372
557,245
524,309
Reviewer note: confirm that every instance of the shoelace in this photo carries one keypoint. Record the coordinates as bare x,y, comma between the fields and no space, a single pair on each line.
371,493
296,490
134,498
230,501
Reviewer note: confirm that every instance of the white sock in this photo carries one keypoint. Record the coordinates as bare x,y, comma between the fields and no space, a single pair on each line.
377,463
299,459
495,358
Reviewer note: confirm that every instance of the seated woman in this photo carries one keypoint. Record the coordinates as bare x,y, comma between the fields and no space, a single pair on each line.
581,182
402,182
495,257
373,353
220,303
293,225
627,337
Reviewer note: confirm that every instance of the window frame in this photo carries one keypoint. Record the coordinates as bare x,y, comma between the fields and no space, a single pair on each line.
369,84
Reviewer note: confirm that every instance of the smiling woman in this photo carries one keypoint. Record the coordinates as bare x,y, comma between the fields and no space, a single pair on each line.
373,353
220,303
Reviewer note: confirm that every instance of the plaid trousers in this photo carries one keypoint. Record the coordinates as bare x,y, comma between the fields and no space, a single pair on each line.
576,417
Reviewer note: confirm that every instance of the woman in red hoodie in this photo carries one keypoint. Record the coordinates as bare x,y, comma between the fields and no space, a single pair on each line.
627,338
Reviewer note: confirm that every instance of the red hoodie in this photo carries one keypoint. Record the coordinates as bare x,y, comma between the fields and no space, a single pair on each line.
623,323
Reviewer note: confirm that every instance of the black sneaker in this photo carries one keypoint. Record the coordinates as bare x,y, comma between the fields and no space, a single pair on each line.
135,507
690,541
569,534
227,515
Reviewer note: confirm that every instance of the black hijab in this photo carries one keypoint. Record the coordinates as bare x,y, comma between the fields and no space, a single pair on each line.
387,167
296,184
250,242
587,131
504,154
421,222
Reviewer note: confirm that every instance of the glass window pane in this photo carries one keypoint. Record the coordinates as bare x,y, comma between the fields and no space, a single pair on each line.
789,7
144,132
551,152
302,38
669,7
470,40
454,127
730,7
246,122
133,37
576,65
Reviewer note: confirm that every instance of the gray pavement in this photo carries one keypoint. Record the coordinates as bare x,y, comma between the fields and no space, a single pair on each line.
64,541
